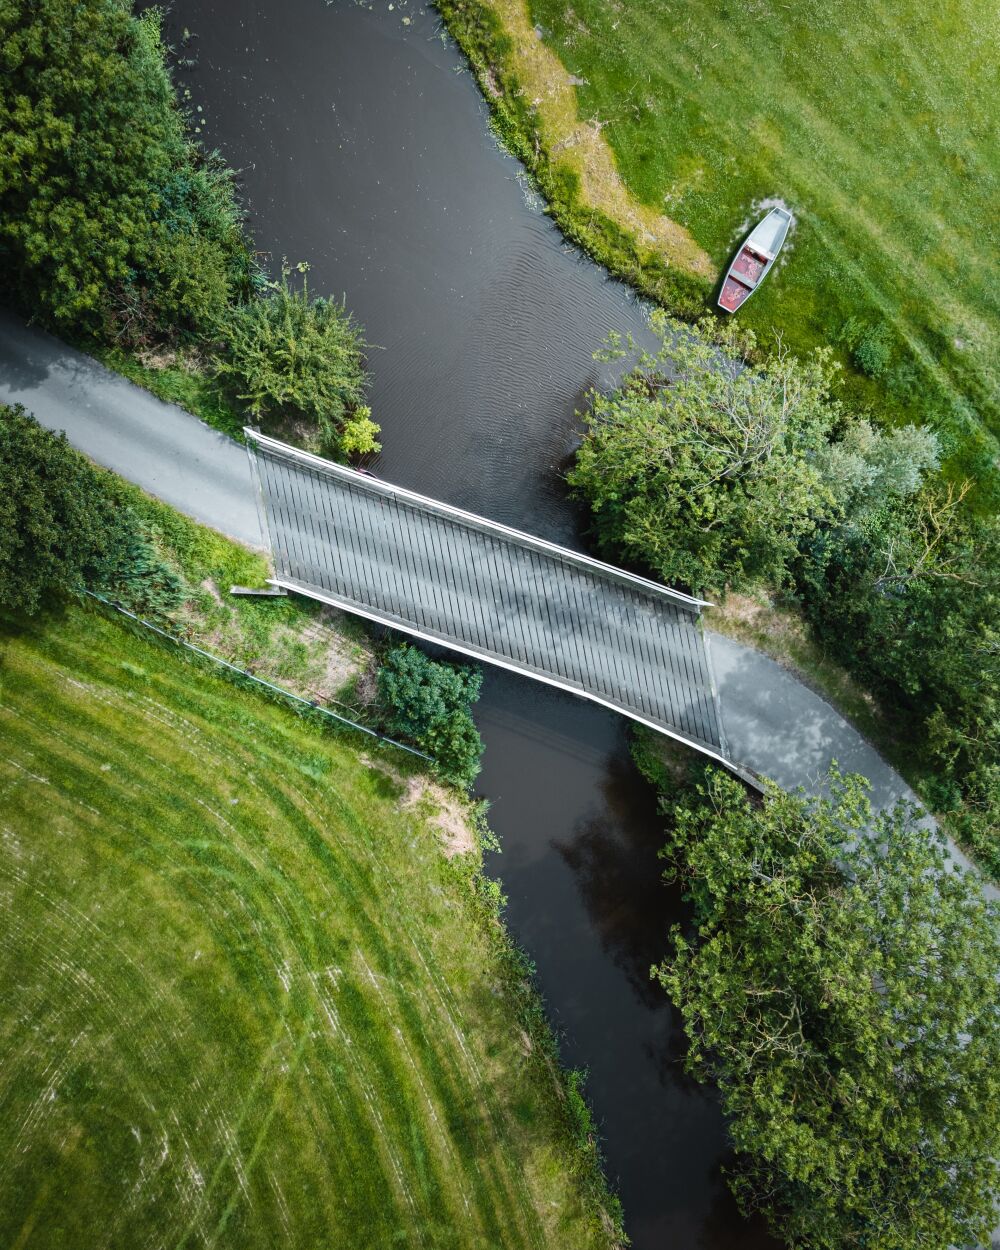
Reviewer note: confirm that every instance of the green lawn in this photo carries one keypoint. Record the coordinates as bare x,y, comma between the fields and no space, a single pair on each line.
244,998
878,123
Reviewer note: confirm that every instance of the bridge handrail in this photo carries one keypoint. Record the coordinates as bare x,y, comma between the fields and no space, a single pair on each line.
483,524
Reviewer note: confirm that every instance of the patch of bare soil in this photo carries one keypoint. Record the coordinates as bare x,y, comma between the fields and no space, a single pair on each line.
159,357
446,810
209,585
366,686
337,658
189,358
755,616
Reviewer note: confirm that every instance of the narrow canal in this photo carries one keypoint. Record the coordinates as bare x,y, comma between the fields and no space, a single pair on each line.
365,149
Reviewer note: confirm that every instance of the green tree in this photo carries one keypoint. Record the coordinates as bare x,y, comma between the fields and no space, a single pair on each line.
298,364
58,529
704,472
428,703
907,594
841,990
62,531
111,220
866,470
359,433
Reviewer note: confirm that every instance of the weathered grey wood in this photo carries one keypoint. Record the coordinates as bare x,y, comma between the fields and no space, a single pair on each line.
488,591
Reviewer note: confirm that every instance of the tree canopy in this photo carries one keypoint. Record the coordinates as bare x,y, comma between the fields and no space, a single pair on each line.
111,221
841,989
704,472
58,528
714,476
62,530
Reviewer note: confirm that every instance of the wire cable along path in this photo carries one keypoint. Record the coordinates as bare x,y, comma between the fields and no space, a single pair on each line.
488,591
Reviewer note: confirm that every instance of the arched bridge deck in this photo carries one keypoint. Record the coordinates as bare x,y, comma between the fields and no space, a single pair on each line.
489,592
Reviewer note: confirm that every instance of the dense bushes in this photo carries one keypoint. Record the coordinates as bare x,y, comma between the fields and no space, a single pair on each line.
111,221
428,703
841,991
909,598
298,365
62,531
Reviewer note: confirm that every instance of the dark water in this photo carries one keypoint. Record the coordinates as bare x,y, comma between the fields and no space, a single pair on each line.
365,149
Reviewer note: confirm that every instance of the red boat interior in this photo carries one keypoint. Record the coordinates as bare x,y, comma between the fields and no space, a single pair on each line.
733,294
747,271
749,265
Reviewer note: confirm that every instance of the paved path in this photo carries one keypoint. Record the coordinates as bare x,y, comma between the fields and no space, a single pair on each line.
773,723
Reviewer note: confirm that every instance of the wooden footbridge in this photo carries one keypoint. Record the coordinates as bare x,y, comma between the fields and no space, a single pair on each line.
489,592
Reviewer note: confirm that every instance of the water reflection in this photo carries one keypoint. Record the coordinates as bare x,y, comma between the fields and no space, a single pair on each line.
580,834
612,855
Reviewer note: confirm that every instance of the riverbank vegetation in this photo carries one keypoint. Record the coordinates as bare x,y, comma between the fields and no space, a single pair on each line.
297,366
246,997
118,232
882,142
717,477
533,101
839,987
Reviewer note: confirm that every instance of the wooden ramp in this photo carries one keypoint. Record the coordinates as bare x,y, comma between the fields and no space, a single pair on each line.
488,592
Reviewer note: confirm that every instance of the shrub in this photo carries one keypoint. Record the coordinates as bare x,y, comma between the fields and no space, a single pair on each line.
908,596
359,436
841,991
58,530
61,530
297,363
428,703
142,578
870,345
873,352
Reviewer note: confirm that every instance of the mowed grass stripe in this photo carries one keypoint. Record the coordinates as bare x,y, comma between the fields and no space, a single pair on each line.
372,939
223,911
389,1074
436,1066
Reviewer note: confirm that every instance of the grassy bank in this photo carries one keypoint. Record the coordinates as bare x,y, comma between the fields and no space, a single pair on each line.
876,125
534,115
246,998
315,651
181,378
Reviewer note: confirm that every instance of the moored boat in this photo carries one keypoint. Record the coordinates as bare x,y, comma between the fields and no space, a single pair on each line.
754,259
